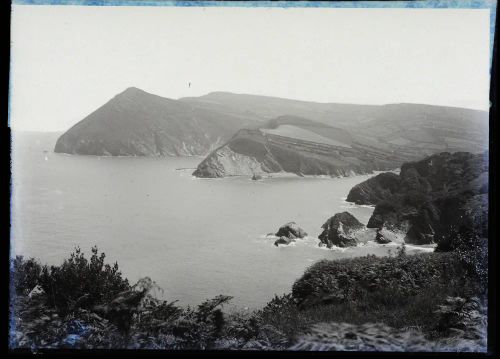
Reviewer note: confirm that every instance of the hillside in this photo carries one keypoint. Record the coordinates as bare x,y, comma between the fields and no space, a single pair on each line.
136,123
295,145
268,107
422,128
426,129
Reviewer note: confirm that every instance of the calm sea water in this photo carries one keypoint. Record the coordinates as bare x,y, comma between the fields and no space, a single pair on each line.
196,238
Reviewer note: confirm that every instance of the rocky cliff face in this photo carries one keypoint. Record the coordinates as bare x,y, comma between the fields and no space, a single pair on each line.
375,189
137,123
295,145
429,198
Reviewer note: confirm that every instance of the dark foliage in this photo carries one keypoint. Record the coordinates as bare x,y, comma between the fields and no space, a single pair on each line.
471,249
330,282
426,292
77,282
25,274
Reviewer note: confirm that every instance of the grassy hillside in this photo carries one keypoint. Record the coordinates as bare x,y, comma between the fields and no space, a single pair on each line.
137,123
423,128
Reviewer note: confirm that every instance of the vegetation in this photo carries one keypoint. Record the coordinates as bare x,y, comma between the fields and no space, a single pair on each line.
354,280
85,303
471,248
82,283
402,291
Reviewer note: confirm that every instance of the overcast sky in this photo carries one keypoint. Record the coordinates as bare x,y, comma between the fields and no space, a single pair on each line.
66,61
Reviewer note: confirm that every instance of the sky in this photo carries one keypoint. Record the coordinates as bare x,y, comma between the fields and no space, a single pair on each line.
66,61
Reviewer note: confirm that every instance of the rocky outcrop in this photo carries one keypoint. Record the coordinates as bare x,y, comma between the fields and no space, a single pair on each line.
385,235
341,230
381,239
375,189
291,230
429,198
288,233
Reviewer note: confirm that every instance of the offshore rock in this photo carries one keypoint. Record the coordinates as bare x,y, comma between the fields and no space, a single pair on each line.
341,230
283,240
291,230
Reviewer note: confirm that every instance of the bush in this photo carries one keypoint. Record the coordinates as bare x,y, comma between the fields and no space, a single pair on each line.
402,291
200,328
414,198
242,325
471,249
25,274
352,279
81,283
283,313
388,206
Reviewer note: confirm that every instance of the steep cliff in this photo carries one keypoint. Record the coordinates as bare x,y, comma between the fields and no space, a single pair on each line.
430,198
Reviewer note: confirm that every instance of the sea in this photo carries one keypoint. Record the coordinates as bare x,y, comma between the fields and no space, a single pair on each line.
196,238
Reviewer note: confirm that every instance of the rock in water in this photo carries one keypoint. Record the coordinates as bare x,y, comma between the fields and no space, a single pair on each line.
291,230
340,230
283,240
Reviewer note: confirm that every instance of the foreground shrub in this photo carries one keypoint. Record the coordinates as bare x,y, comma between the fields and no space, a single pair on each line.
330,282
471,249
408,293
36,326
81,283
200,328
25,274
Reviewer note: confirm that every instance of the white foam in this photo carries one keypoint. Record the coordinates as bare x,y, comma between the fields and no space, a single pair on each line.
414,247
